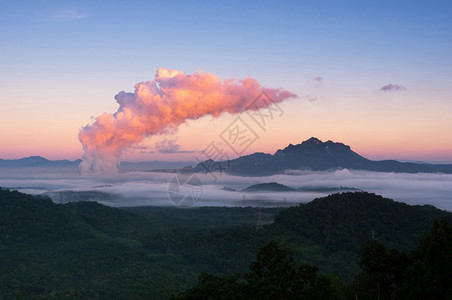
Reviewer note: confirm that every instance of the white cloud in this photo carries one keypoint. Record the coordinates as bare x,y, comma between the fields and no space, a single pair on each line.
62,15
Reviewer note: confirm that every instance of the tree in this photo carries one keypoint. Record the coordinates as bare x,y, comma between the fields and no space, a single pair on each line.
273,274
214,287
429,275
424,274
276,275
382,271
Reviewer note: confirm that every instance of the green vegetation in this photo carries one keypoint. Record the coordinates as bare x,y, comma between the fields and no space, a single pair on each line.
385,274
423,274
274,275
87,250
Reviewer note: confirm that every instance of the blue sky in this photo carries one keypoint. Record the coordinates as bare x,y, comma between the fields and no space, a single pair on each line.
62,62
236,38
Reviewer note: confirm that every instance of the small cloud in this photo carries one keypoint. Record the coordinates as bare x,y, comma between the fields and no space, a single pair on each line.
319,79
140,147
392,88
169,146
62,15
147,152
310,98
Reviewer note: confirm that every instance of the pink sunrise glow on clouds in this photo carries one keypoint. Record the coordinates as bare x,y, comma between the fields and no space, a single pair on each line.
385,95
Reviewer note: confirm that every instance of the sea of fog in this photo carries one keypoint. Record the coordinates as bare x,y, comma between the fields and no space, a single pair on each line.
169,189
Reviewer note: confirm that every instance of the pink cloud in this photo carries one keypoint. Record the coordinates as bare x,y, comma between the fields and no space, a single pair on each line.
160,106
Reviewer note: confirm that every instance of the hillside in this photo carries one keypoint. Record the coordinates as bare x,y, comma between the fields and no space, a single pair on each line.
346,220
84,249
78,250
24,217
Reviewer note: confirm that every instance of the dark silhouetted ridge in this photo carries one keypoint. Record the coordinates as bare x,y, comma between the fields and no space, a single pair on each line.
313,154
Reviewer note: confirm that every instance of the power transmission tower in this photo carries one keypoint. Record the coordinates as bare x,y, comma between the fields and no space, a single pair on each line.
372,232
259,224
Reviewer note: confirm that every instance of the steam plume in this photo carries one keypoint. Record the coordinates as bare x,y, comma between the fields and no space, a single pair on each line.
160,106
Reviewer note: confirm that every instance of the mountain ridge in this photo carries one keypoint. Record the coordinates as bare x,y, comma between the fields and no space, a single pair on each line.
36,161
312,154
316,155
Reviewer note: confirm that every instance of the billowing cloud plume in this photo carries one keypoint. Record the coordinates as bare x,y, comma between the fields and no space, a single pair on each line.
160,106
392,88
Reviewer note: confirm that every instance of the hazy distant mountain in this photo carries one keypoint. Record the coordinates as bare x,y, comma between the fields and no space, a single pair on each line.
269,187
155,165
313,154
37,161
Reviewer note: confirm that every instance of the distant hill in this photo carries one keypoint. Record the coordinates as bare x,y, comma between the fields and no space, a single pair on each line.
269,187
313,154
37,161
155,165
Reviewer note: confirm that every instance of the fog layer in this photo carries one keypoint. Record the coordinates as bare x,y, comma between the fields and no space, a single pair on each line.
150,188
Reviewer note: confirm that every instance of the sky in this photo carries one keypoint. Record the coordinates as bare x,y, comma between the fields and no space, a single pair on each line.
375,75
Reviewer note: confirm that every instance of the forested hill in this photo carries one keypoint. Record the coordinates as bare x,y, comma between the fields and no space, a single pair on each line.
346,220
25,217
84,250
269,187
